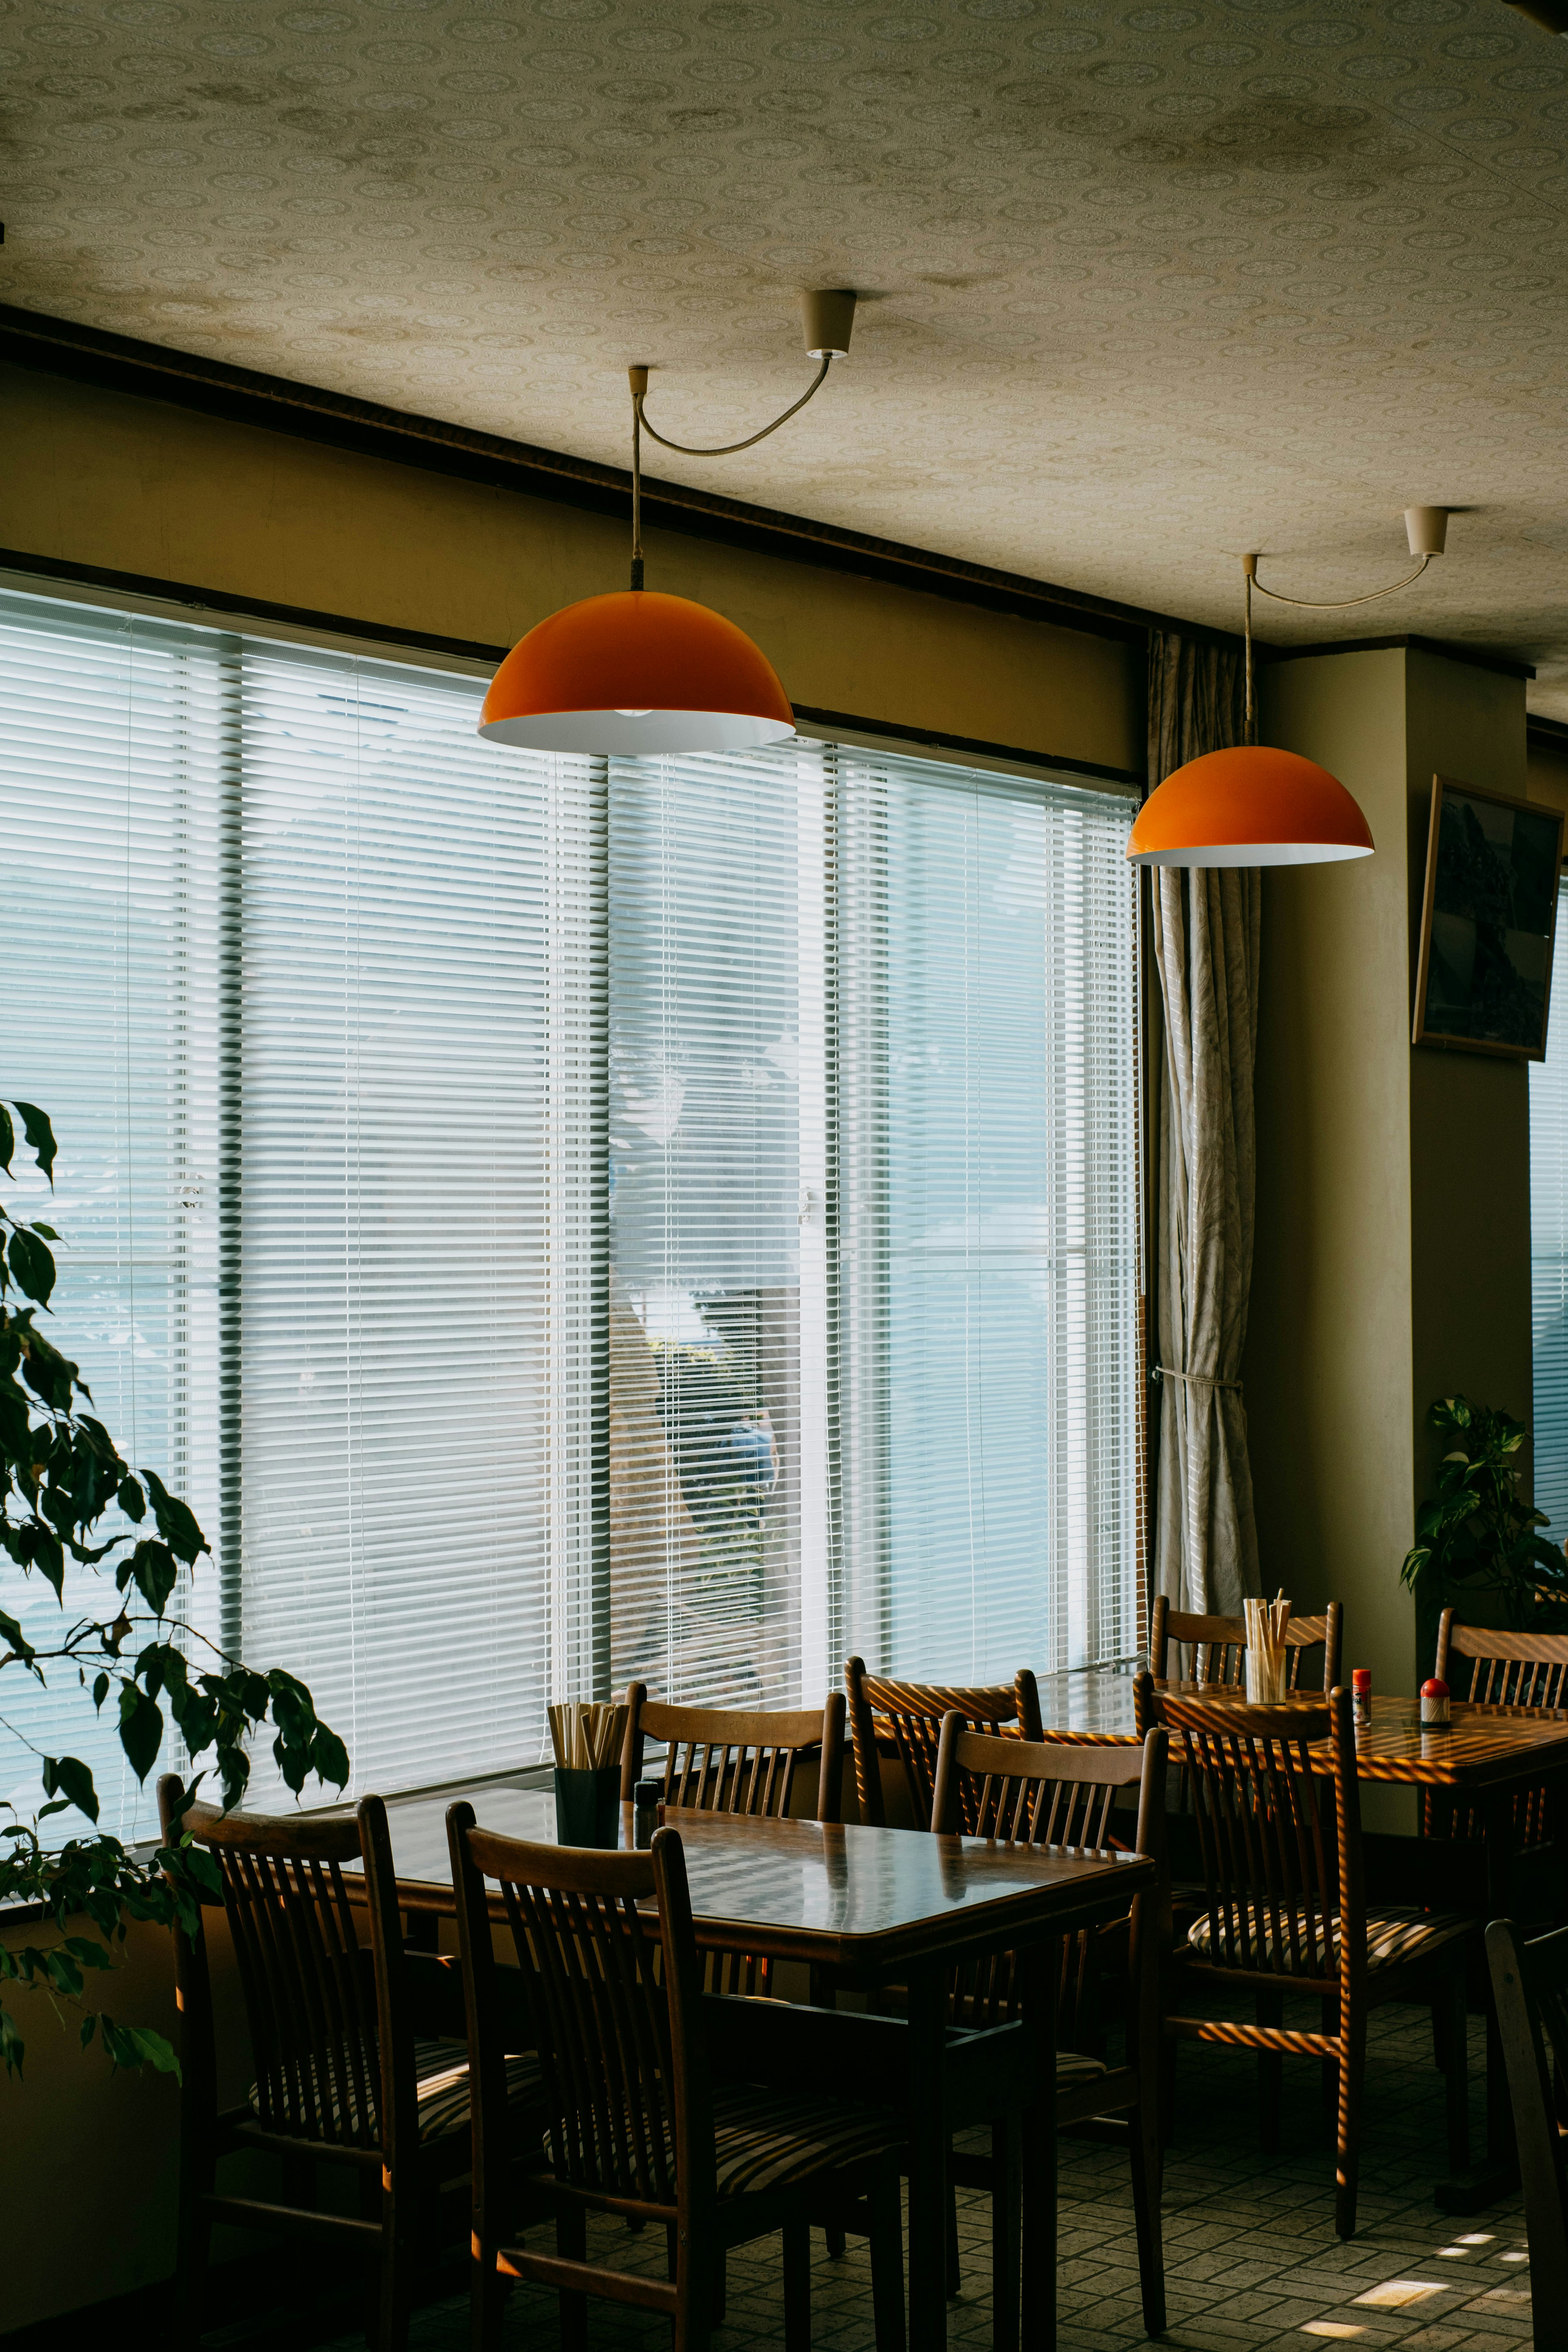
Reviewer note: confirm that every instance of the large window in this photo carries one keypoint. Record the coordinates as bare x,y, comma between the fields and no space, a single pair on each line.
564,1220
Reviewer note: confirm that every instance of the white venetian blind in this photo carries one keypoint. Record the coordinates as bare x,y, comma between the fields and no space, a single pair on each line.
392,1347
1549,1245
711,931
108,987
982,1119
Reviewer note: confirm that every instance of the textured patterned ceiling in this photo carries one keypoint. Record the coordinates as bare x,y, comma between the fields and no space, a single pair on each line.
1151,284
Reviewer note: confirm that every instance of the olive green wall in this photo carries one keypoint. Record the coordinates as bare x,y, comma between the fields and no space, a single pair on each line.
128,485
1393,1256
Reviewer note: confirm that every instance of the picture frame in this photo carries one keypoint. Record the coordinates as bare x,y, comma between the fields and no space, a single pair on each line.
1489,922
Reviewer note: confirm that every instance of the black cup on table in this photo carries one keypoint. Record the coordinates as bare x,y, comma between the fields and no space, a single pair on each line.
588,1806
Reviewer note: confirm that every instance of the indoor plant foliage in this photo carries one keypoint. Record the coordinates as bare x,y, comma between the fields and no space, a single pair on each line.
1478,1535
60,1477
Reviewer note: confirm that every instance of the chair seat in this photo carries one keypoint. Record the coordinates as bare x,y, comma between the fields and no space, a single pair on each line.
1074,2067
767,2139
1394,1937
441,2087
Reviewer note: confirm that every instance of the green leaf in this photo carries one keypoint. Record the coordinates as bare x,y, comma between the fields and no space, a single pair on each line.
21,1649
138,2045
31,1262
7,1138
176,1523
40,1136
133,1501
64,1974
67,1776
153,1565
100,1691
329,1758
140,1729
12,2046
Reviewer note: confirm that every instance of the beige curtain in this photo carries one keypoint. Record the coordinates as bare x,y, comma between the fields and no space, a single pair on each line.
1205,932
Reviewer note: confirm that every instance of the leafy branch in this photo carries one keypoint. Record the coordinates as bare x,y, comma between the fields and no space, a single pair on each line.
61,1475
1476,1534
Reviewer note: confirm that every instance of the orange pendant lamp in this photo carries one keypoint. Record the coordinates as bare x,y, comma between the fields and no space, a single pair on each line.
641,673
1253,806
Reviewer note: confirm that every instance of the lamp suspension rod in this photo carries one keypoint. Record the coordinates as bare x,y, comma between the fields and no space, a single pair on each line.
1249,572
724,448
1336,603
638,378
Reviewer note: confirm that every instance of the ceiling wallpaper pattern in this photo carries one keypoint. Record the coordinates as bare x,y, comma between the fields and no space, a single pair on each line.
1146,285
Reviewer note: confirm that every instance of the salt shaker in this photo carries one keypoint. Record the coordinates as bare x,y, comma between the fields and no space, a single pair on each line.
1361,1696
1434,1705
646,1799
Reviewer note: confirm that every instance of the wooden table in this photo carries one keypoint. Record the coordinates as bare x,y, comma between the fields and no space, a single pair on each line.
880,1906
1487,1756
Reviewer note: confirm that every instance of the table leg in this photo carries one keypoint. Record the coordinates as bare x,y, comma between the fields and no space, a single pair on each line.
927,2159
1039,1968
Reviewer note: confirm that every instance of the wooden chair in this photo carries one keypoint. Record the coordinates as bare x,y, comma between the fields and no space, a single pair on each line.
1526,1671
635,2125
1220,1644
721,1760
341,2077
1529,1985
1062,1793
1286,1910
904,1719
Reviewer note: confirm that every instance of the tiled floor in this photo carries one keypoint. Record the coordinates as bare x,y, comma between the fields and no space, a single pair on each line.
1251,2257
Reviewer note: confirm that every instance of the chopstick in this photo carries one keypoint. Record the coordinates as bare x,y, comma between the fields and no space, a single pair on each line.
586,1736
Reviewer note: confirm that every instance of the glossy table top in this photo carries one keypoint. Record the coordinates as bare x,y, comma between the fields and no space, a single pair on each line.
863,1899
1485,1746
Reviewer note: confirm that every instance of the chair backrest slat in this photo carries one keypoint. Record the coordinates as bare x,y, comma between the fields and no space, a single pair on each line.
907,1717
1218,1645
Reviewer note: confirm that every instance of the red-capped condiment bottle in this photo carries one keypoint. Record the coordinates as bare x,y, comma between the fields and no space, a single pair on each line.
1434,1704
1361,1695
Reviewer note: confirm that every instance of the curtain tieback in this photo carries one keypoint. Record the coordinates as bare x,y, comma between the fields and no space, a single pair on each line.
1194,1380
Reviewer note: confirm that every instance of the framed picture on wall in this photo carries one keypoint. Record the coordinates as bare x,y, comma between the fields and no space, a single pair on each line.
1488,922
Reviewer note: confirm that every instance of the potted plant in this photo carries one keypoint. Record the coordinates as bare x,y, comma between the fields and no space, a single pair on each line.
1475,1546
68,1498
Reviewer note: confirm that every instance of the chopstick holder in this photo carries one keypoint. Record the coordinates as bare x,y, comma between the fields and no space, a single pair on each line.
1265,1622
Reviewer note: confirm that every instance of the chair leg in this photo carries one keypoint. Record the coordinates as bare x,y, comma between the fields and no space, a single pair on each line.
1006,2230
693,2305
191,2268
1167,2062
1353,2067
797,2286
1270,2074
487,2300
1329,2071
1143,2141
886,2214
571,2245
393,2298
835,2238
949,2237
1453,2008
